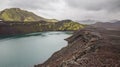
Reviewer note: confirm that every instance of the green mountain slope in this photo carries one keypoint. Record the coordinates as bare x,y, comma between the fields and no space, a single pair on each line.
16,14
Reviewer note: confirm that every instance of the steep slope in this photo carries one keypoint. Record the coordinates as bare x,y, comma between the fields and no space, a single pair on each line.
88,48
16,14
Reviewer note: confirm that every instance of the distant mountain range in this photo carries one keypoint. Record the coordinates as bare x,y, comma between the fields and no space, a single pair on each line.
88,21
107,25
17,14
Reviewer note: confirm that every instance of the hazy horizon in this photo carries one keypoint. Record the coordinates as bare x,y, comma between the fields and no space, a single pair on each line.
101,10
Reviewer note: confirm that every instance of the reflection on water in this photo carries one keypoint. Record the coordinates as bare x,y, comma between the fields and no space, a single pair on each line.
29,49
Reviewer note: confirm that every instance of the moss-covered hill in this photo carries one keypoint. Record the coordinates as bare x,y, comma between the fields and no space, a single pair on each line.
21,27
17,14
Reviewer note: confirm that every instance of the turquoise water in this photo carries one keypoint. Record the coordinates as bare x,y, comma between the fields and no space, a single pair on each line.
30,49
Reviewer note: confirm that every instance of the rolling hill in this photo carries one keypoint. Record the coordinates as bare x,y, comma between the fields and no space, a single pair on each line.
17,14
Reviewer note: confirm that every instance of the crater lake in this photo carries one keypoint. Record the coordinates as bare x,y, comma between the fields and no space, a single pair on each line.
27,50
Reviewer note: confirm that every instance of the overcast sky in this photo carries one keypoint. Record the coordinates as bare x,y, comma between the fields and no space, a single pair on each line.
69,9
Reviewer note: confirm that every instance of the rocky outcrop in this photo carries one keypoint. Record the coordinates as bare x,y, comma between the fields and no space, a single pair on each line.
88,48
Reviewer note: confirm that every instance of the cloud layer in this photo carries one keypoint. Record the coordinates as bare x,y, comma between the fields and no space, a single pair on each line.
110,5
69,9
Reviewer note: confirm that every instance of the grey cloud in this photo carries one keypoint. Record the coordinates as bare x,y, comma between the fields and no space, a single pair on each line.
32,4
109,5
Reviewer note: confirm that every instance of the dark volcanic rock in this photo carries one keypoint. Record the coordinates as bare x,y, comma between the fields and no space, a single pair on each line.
88,48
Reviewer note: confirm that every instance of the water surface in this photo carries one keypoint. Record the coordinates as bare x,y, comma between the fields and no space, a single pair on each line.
30,49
